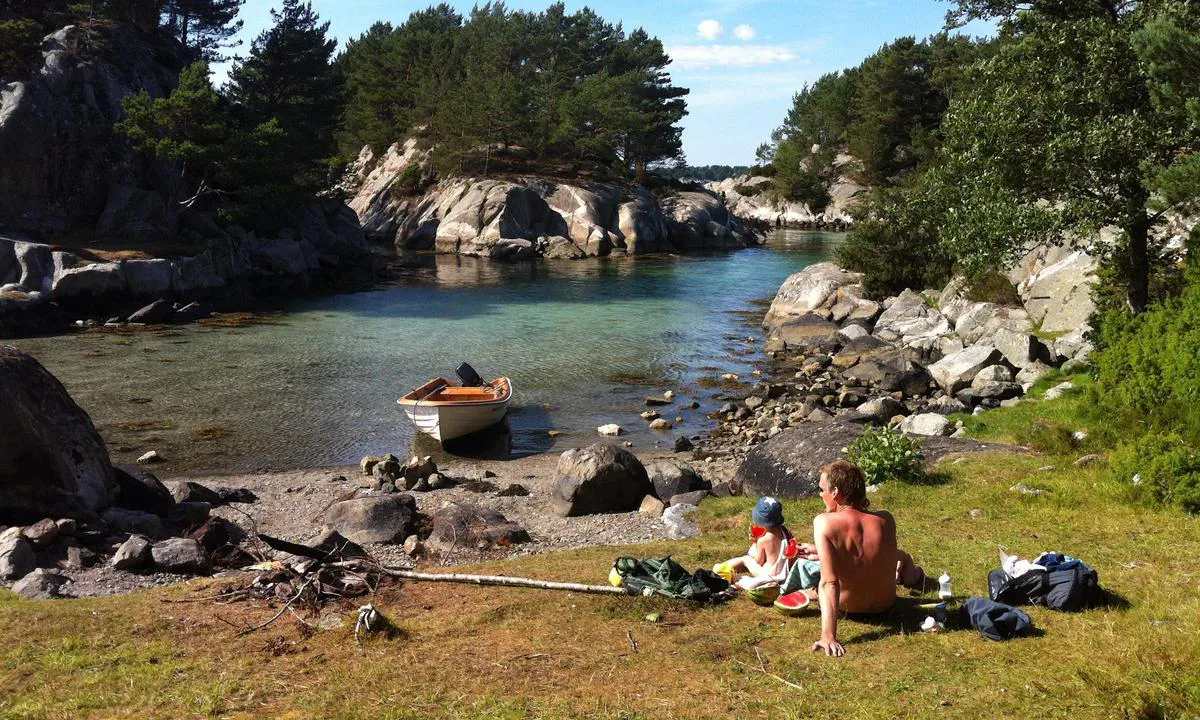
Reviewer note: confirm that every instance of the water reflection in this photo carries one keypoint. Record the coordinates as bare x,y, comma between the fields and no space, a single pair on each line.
318,385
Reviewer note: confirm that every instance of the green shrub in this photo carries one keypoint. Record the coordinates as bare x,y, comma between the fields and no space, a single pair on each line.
885,455
748,190
1148,366
993,287
1048,436
20,46
413,180
1160,470
895,246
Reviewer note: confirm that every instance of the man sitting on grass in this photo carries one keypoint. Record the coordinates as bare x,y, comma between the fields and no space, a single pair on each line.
860,563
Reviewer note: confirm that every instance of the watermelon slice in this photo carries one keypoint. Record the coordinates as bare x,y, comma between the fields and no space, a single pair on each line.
792,604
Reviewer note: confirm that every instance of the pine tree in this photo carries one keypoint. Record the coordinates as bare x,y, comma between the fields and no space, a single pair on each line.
204,26
289,78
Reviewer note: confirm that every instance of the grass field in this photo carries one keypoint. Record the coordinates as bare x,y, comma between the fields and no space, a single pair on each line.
469,652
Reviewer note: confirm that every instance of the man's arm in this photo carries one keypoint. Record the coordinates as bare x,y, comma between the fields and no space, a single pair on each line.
828,592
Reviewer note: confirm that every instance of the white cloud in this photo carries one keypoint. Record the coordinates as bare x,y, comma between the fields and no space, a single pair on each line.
709,29
744,32
701,56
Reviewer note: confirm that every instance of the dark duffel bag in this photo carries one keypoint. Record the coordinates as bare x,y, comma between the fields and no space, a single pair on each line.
1027,589
1073,589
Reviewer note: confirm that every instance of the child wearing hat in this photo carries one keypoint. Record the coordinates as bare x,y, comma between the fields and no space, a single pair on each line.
764,561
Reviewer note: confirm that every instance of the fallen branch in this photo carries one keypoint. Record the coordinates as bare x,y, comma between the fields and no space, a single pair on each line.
762,668
501,580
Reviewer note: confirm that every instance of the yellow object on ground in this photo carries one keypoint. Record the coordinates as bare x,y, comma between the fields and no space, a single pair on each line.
615,579
725,570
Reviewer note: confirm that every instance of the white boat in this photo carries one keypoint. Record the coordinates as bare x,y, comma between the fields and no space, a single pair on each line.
446,411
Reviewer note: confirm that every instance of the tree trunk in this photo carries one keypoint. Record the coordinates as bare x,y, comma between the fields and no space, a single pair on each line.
1138,291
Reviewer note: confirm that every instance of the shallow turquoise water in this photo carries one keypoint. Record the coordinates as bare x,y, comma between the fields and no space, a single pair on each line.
317,387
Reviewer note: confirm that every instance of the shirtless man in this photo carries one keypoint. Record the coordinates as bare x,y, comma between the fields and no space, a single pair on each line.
860,563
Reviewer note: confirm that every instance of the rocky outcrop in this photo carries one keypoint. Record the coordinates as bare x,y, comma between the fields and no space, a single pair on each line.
749,197
526,217
63,168
67,173
320,240
52,460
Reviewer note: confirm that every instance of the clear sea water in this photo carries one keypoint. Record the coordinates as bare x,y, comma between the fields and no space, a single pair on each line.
317,385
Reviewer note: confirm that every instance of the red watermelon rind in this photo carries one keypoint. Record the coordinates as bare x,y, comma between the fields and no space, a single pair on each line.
792,604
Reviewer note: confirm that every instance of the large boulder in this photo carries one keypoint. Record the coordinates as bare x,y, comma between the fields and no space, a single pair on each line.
909,319
813,287
808,333
375,519
96,281
787,465
53,463
470,526
181,555
926,424
41,584
672,477
602,478
1055,284
17,557
955,372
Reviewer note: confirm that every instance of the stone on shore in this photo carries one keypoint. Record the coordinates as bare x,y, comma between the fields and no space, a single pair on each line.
134,553
377,519
807,290
52,460
180,555
138,489
955,372
470,526
926,424
611,429
602,478
41,584
17,558
672,477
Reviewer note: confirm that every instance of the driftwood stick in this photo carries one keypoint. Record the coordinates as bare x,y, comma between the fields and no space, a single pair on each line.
502,580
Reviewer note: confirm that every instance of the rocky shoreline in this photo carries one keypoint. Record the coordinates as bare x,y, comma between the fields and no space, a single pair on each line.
839,361
750,198
522,217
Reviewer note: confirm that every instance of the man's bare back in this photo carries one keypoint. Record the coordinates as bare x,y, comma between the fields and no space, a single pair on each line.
859,548
860,563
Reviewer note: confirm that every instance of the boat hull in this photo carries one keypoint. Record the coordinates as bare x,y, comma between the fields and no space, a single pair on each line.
450,422
445,412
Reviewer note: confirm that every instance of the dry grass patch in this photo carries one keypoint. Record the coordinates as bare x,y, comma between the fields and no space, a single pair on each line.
482,652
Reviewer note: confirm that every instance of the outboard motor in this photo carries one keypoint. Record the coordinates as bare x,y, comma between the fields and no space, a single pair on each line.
469,377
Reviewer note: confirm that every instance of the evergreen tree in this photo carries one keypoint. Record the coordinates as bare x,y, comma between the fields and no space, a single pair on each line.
204,26
1061,133
289,78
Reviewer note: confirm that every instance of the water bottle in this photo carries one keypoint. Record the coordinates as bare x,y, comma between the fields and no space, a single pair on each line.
944,590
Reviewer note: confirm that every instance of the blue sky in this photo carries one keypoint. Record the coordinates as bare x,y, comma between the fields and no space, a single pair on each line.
742,59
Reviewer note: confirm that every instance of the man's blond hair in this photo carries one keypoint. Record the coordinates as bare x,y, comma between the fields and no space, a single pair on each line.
848,478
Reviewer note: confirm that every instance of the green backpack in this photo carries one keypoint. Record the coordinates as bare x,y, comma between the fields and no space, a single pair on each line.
664,576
